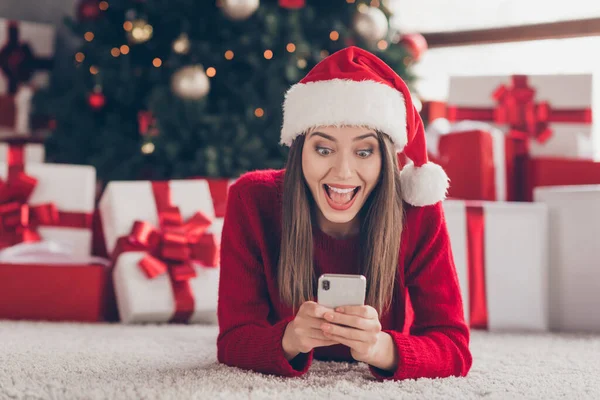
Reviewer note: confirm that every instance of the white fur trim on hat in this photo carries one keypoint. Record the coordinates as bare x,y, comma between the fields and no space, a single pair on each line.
424,185
344,102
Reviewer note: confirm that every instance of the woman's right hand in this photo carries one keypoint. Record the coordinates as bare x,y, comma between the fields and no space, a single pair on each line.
304,332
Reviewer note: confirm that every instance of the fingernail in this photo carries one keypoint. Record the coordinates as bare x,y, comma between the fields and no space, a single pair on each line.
339,309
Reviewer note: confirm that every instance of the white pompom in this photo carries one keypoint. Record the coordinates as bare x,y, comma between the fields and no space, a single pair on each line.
424,185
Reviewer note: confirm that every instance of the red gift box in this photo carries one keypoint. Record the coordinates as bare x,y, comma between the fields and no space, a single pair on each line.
475,171
559,172
432,110
55,292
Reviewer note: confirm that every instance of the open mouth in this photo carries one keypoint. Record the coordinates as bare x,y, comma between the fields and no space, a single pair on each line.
340,198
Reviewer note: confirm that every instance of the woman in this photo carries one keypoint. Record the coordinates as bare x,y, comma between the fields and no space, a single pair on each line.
343,206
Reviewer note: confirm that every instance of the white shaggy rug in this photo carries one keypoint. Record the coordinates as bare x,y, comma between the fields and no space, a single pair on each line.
110,361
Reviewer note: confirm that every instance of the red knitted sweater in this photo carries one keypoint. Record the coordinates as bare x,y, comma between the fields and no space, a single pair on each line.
252,319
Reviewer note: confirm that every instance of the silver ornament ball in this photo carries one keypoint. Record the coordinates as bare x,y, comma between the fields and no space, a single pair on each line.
238,10
190,82
371,24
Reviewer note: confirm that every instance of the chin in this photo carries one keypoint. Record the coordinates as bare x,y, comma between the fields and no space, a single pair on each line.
338,217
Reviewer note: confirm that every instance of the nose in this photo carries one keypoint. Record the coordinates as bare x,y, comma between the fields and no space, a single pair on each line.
343,167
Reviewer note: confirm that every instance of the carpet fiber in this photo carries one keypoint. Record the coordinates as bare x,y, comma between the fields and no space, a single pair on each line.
109,361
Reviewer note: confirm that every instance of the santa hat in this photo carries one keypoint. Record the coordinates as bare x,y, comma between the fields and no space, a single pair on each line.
355,87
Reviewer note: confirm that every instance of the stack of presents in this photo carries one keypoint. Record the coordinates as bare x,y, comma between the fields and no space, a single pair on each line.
145,252
523,213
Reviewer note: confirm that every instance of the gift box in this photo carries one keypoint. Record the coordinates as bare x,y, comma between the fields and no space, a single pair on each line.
544,172
491,172
501,255
45,281
219,188
26,52
552,114
46,201
432,110
32,149
574,256
164,242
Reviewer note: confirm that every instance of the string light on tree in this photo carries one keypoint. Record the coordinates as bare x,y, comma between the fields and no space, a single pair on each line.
103,5
79,57
229,55
148,148
291,47
141,31
382,44
181,45
89,36
190,82
124,49
301,63
371,24
239,10
334,35
259,112
211,72
268,54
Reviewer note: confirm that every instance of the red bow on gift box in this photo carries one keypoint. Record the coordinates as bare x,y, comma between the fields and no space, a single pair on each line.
516,107
18,220
175,246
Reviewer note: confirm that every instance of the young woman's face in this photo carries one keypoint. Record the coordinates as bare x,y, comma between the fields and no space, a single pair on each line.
341,166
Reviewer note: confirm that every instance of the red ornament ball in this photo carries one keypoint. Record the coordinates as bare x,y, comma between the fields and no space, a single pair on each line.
96,101
88,10
416,45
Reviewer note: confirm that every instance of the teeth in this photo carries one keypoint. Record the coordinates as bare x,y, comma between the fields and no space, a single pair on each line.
338,190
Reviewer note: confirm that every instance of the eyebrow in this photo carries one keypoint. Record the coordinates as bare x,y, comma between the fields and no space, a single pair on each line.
356,139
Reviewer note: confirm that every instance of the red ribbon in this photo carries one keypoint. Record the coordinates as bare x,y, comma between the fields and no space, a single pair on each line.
18,220
172,248
517,108
478,314
292,3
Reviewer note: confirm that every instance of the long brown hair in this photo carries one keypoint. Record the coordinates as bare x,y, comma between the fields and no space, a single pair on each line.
380,231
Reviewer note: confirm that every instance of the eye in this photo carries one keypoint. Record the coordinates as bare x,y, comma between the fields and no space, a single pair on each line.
364,153
324,151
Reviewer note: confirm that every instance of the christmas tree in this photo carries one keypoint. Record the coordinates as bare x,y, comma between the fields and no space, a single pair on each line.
179,88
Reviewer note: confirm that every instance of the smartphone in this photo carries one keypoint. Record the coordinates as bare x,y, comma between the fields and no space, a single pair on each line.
336,290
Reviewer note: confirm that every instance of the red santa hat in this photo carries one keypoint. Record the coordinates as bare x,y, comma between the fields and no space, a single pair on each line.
354,87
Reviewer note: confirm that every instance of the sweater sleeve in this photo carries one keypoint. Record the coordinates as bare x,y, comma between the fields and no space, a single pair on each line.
246,338
438,343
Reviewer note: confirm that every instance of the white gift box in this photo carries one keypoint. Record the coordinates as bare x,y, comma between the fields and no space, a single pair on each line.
139,298
561,92
34,152
515,261
574,255
72,189
40,40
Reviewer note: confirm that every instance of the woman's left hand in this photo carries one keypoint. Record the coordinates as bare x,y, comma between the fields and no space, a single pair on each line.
362,330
